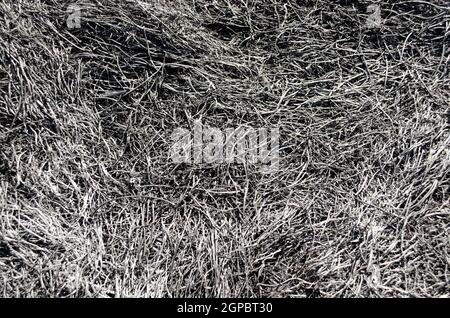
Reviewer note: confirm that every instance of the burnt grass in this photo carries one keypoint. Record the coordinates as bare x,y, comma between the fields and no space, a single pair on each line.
91,206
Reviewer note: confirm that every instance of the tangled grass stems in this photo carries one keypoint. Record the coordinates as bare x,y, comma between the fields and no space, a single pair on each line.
90,205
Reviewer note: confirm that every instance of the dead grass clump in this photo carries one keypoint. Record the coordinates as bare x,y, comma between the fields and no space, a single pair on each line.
91,206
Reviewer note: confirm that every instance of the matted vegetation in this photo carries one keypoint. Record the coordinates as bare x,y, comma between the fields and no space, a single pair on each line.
91,206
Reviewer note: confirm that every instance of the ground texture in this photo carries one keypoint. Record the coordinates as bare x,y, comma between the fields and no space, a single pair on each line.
91,206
